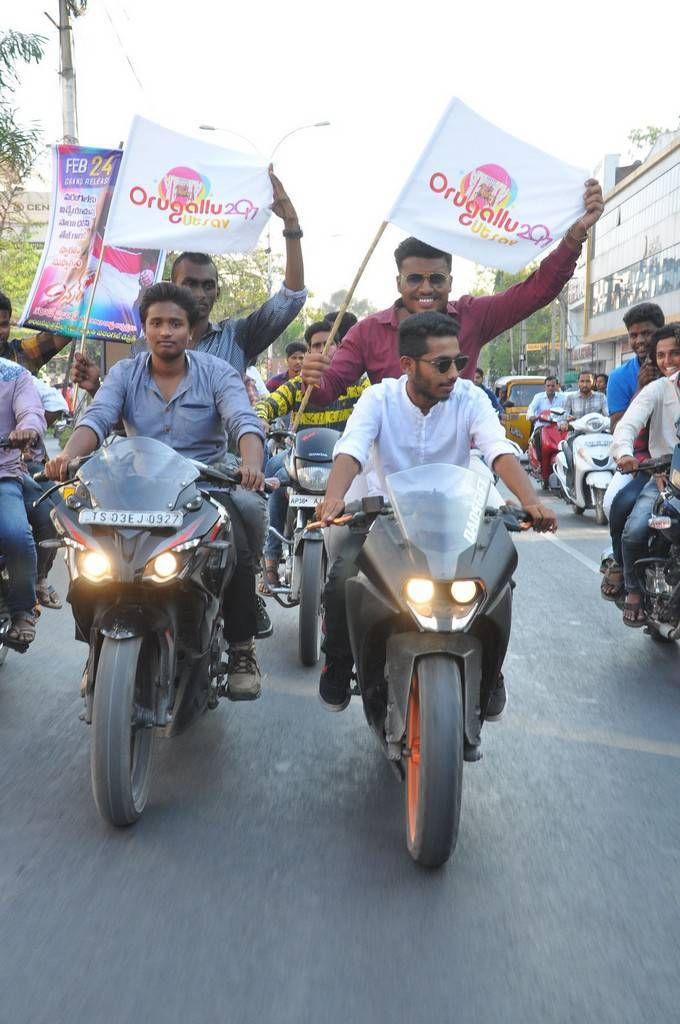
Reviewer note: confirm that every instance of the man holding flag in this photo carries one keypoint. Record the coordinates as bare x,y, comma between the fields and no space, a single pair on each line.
424,285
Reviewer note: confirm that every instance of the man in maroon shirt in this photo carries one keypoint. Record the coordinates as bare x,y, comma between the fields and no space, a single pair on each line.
424,283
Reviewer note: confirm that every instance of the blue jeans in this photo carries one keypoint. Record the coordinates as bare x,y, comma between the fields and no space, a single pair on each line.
277,505
636,533
17,544
622,506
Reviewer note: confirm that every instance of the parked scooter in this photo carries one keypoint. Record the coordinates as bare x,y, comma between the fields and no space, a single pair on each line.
544,443
149,554
584,466
429,621
308,464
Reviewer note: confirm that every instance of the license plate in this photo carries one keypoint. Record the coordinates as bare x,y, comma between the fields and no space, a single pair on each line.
139,520
303,501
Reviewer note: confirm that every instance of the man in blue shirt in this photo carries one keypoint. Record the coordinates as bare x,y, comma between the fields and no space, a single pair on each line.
551,398
191,402
479,381
626,380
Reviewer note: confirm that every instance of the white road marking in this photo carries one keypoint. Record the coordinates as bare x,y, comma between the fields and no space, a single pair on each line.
583,559
598,737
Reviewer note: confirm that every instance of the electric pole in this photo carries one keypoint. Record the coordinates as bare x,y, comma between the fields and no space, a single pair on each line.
523,346
69,112
67,73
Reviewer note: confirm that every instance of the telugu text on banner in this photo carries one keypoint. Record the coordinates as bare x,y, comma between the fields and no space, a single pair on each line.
480,193
178,192
83,180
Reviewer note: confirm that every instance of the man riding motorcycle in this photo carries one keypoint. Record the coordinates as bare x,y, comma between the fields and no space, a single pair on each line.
189,401
658,404
284,401
23,420
428,415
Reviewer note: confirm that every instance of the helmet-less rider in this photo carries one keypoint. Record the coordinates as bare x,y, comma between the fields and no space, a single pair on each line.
428,415
190,401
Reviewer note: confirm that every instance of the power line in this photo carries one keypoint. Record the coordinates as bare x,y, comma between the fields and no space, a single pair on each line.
122,47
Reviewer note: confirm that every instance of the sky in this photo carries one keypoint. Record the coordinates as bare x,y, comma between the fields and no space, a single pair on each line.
571,80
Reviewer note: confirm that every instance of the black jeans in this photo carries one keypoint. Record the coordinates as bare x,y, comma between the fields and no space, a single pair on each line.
239,604
345,547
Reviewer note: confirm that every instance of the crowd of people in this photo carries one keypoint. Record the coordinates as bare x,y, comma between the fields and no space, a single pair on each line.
402,387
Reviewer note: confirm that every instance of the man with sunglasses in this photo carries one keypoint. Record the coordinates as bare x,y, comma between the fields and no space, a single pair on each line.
424,285
429,415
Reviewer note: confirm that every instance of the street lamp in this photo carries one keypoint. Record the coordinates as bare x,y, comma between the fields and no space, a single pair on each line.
293,131
213,128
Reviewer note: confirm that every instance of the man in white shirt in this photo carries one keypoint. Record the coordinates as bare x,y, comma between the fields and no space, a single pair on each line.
551,398
659,405
429,415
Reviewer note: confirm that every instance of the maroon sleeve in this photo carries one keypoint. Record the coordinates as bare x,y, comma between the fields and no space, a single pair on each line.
492,314
347,365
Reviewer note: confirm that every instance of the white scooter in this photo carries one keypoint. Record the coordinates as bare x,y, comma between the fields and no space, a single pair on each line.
588,446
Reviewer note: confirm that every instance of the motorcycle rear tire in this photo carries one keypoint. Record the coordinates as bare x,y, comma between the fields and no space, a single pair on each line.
600,514
311,589
434,765
120,754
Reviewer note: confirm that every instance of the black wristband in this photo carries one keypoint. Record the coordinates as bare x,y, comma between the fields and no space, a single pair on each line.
292,232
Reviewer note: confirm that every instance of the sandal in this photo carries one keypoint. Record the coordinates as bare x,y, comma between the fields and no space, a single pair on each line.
270,578
22,631
633,612
47,595
612,586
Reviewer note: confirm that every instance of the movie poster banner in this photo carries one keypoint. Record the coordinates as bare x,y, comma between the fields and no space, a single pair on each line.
483,194
83,181
181,193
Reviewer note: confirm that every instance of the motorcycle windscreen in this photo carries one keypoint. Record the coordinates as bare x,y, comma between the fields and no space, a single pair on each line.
440,510
137,474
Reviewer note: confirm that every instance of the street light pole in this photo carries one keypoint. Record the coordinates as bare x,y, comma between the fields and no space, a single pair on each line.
300,128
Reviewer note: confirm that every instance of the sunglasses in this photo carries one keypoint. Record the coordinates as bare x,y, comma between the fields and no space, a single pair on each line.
436,280
443,363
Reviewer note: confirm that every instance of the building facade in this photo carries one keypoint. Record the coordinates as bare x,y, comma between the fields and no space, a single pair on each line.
633,256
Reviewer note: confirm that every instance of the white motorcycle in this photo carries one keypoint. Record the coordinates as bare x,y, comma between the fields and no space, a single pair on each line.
584,466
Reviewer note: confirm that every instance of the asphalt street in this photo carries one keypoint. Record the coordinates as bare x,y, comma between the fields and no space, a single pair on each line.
268,880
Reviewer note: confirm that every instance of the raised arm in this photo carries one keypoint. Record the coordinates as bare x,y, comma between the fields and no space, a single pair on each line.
496,313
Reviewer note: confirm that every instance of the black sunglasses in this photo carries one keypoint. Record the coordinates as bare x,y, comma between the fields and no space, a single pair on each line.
442,364
436,280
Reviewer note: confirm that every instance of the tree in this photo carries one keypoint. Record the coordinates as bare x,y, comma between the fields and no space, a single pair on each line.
18,142
644,138
360,307
501,356
18,264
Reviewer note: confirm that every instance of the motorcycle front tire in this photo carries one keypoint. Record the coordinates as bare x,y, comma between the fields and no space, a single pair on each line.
434,763
120,753
311,588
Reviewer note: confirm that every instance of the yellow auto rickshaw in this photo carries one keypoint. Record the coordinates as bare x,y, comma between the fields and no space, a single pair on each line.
515,394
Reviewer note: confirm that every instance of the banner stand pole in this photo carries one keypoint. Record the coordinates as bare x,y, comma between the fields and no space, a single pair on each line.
86,323
341,312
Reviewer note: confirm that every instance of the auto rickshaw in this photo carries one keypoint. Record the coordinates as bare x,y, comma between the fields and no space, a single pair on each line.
515,394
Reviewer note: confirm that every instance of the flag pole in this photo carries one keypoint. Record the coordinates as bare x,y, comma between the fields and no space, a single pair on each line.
86,322
341,312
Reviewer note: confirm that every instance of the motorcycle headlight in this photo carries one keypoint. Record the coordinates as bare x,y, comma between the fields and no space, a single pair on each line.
163,567
313,478
94,566
463,591
419,591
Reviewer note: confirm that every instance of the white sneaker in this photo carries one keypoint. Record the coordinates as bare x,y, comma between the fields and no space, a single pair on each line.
245,681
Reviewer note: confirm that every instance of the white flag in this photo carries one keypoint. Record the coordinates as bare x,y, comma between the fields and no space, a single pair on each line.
177,192
480,193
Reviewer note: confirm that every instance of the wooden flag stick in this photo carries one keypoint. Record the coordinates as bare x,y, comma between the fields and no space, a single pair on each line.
341,312
86,322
